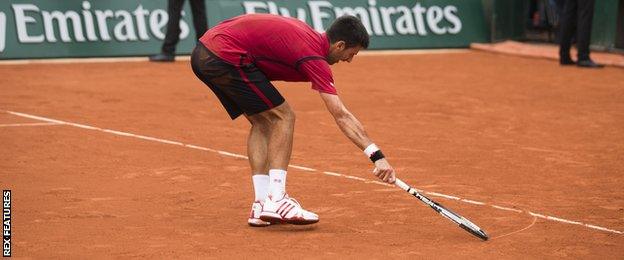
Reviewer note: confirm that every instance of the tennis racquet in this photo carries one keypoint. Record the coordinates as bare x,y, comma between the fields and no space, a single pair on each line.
459,220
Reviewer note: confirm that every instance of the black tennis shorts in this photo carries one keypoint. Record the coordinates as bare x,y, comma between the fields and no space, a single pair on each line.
241,89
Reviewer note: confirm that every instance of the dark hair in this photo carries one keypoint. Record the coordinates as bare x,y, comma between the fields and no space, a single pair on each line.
349,29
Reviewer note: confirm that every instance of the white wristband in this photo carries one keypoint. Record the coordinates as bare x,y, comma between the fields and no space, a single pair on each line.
370,150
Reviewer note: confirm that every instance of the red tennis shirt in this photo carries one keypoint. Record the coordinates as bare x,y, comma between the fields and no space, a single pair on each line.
283,48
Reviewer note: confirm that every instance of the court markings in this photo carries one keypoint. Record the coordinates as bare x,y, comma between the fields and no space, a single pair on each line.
187,57
328,173
517,231
28,124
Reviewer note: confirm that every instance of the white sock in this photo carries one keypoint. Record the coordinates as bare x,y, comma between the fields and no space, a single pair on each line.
277,183
261,186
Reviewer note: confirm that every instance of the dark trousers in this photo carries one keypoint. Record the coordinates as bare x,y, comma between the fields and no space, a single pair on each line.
174,8
577,15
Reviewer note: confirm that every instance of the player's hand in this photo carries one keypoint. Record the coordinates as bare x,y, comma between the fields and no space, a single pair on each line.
384,171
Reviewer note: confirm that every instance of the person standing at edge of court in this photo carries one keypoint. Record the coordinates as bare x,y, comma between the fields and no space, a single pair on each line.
172,37
237,60
577,15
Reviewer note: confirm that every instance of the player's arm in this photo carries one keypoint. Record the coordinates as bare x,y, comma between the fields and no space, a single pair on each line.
353,129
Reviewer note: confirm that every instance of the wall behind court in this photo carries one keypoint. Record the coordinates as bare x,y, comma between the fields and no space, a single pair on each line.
89,28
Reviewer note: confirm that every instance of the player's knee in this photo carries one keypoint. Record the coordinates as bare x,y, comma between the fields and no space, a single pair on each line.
263,126
281,114
259,122
286,113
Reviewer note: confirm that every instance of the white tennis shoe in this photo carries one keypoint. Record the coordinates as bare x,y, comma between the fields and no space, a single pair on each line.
254,216
286,210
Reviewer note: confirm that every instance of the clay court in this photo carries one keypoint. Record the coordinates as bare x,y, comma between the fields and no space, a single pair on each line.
136,159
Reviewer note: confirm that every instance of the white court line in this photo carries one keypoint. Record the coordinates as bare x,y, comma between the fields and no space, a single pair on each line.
506,208
302,168
28,124
473,202
333,174
551,218
232,154
442,195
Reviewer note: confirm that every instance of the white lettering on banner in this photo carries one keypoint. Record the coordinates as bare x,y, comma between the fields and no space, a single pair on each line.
184,28
386,17
124,31
21,20
102,24
449,14
301,13
251,6
139,15
357,11
375,17
88,17
73,26
435,16
420,22
158,20
61,19
272,8
35,25
2,31
405,23
378,20
318,15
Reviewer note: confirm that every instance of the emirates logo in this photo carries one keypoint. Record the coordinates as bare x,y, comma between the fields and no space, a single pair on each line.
2,31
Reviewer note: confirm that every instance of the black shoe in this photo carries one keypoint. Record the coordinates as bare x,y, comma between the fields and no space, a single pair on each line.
162,57
566,62
589,64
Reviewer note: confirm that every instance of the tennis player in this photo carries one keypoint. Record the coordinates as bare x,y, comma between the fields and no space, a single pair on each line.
240,57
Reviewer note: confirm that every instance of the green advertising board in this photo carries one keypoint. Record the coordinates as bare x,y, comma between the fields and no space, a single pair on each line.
81,28
604,26
74,28
396,24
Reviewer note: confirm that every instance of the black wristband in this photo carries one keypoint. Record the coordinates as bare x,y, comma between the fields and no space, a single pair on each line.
377,155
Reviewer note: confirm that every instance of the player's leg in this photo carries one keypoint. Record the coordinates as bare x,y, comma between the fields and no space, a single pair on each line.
269,148
278,125
257,144
269,109
270,145
216,74
279,207
245,88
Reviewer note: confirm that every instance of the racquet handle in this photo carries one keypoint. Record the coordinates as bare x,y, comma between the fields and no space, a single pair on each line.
399,183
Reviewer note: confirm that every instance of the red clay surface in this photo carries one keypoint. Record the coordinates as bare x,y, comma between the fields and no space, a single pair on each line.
508,131
546,51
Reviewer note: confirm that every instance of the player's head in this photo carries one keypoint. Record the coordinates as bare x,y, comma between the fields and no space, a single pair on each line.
347,35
